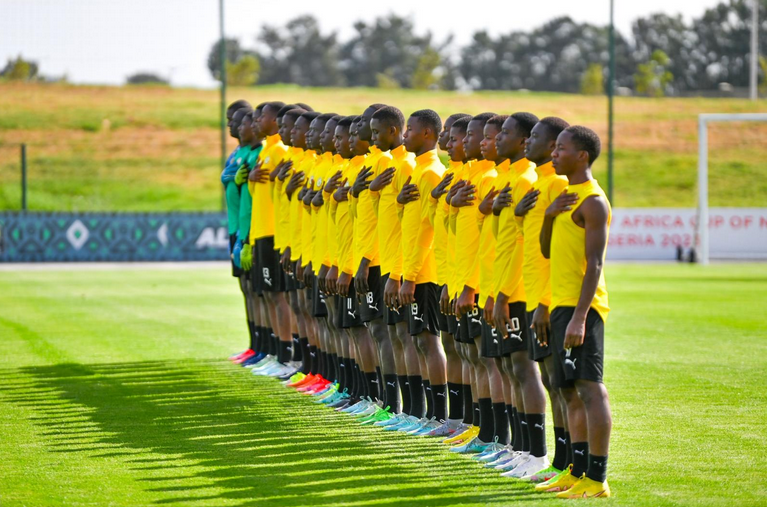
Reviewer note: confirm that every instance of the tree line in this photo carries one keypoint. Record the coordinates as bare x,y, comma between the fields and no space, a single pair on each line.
664,56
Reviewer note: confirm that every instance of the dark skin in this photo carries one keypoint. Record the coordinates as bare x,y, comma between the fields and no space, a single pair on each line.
418,139
538,149
457,154
234,123
489,152
312,137
510,144
444,136
385,137
360,146
464,196
341,140
364,131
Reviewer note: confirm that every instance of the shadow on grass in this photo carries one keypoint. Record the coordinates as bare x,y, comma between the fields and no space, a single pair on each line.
200,432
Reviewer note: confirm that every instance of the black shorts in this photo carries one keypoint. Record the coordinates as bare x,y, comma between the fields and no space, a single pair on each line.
536,351
372,306
288,281
336,315
349,310
470,325
266,262
319,309
517,334
491,342
447,323
391,317
236,272
295,283
579,363
423,313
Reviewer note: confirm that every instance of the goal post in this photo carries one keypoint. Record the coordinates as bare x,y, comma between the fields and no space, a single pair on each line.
702,229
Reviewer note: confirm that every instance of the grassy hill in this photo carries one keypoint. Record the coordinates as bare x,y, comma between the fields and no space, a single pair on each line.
157,148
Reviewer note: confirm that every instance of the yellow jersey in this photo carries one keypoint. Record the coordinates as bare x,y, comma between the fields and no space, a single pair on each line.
318,216
468,220
386,208
487,242
438,215
345,220
331,208
419,265
509,246
297,206
535,270
568,254
295,155
365,219
263,194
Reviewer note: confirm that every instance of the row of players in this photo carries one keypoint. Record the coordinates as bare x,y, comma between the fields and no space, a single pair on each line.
438,301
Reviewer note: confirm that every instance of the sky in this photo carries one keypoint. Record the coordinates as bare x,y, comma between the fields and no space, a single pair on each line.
105,41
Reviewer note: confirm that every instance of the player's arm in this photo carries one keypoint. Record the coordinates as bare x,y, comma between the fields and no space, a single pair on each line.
595,215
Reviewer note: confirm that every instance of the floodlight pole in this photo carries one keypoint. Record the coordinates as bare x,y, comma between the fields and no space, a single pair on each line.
754,48
610,94
222,74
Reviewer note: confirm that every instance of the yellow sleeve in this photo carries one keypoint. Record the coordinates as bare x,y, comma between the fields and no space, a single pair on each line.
475,257
417,243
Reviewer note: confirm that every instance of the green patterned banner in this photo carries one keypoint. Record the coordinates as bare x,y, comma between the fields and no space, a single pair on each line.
61,237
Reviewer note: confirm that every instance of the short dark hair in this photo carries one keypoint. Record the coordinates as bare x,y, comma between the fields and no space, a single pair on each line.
482,117
295,113
390,116
376,106
586,140
345,122
310,115
304,106
525,123
497,120
462,123
554,126
429,118
238,104
261,106
275,104
456,116
356,118
284,109
326,116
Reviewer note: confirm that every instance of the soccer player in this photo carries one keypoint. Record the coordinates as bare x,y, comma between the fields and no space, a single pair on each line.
235,112
574,236
267,275
453,354
419,291
397,353
478,175
537,290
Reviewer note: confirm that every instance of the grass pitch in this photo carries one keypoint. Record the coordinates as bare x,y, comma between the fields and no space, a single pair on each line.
114,390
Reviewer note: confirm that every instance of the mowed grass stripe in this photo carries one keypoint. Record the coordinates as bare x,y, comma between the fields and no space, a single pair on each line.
113,392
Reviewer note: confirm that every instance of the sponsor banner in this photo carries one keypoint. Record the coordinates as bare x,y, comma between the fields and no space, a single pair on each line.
61,237
656,233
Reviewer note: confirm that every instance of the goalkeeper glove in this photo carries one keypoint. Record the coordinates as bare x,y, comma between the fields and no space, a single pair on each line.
242,175
236,253
246,257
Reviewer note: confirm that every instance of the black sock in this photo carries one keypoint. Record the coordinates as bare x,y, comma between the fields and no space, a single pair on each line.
416,396
597,470
274,346
537,428
260,340
405,390
501,426
580,458
354,379
429,399
525,431
516,442
298,352
510,422
486,421
391,392
560,449
569,455
372,380
455,395
307,358
468,405
381,385
475,413
283,353
439,397
313,359
252,332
